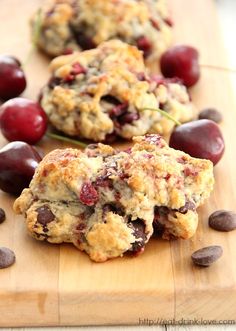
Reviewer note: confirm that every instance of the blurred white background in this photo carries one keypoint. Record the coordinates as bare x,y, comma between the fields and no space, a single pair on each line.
227,15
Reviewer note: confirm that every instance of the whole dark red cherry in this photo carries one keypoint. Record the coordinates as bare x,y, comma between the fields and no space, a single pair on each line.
202,139
18,162
181,61
22,119
12,77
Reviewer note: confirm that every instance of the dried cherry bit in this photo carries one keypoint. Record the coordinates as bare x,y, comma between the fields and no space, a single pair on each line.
155,24
88,194
223,220
78,69
169,21
2,215
45,215
7,257
67,51
128,118
144,45
204,257
119,109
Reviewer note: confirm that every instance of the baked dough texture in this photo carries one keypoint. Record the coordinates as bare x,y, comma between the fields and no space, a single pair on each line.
105,93
69,25
108,202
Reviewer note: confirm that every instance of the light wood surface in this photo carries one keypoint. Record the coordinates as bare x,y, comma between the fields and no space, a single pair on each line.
58,285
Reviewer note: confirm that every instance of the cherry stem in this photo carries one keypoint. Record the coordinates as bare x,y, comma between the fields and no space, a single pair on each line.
212,66
163,113
36,32
66,139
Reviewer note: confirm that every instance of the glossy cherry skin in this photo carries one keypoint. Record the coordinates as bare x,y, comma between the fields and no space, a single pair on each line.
12,77
202,139
18,162
181,61
22,119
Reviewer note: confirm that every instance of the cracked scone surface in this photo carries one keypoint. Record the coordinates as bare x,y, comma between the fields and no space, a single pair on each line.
106,202
68,25
101,94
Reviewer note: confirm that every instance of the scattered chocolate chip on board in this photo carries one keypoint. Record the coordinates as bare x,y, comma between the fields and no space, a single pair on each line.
7,257
204,257
2,215
223,220
211,114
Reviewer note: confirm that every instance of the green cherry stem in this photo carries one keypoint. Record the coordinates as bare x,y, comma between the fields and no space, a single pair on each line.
36,32
66,139
163,113
212,66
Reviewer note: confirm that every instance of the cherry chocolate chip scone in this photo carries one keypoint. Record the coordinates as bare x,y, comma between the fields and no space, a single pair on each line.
67,25
105,92
106,202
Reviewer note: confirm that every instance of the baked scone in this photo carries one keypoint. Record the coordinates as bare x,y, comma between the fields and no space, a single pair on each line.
68,25
101,93
105,201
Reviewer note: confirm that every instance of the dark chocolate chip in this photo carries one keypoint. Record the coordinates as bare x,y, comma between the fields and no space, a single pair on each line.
45,215
211,114
162,210
222,220
189,205
84,41
138,227
7,257
2,215
206,256
158,228
111,99
54,81
116,208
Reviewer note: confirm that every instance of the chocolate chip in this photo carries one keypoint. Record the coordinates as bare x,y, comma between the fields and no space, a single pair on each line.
158,228
138,227
116,208
222,220
189,205
84,41
162,210
54,81
2,215
45,215
207,255
211,114
110,99
7,257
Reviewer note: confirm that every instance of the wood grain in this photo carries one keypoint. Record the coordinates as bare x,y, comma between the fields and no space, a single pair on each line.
58,285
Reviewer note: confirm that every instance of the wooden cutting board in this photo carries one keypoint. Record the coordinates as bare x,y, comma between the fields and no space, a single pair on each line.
57,284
